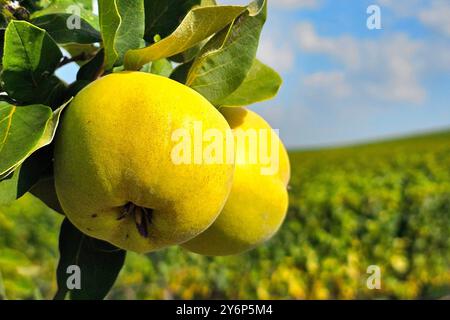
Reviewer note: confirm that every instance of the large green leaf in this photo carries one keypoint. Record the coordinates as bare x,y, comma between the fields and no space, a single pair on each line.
192,52
189,54
163,16
199,24
261,83
29,59
225,60
99,263
122,24
56,25
23,130
83,7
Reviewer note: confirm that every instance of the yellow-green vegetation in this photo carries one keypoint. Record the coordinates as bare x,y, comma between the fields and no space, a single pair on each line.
115,174
28,249
385,204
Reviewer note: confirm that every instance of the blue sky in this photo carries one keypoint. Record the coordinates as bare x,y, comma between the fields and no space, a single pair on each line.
344,83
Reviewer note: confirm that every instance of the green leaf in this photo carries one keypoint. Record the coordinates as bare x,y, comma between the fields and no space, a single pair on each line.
163,16
81,7
99,262
25,176
199,24
189,54
161,67
122,24
57,26
180,73
92,69
9,188
261,83
23,130
76,87
29,61
45,191
225,60
2,42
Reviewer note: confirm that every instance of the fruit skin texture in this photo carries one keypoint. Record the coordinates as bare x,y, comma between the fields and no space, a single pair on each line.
257,204
114,148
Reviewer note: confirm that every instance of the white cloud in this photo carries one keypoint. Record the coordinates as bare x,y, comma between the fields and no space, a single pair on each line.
403,8
343,48
310,4
281,57
382,70
437,16
433,14
335,81
284,4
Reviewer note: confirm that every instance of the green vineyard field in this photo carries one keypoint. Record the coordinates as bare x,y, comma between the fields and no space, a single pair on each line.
385,204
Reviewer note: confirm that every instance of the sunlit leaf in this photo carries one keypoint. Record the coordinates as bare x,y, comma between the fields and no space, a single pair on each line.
261,83
199,24
122,25
23,130
225,60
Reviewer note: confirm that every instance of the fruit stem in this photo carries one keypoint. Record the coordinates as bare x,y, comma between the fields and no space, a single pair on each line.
142,217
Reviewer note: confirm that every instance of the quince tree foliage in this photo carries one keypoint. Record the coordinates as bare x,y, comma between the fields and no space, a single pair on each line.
206,46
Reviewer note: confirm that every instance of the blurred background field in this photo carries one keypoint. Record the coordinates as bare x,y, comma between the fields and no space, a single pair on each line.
384,204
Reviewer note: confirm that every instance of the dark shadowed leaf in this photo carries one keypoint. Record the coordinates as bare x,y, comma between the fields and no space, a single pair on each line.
99,263
76,87
25,176
92,69
45,191
225,60
56,25
261,83
180,73
2,42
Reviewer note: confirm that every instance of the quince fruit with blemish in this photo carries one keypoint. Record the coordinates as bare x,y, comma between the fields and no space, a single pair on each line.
114,174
